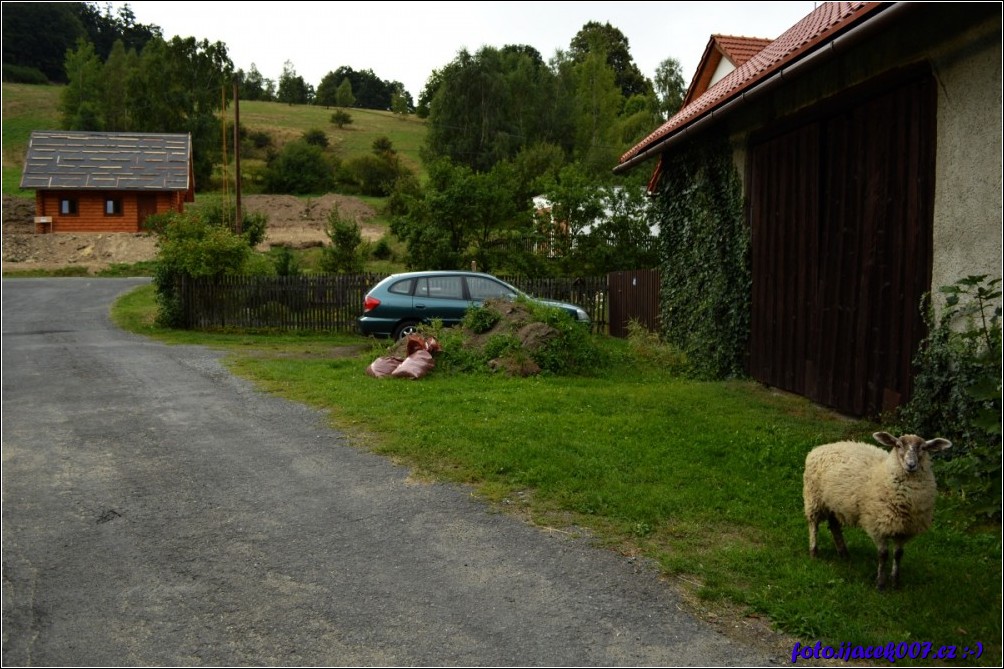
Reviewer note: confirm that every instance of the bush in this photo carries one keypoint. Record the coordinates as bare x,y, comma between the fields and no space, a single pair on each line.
299,169
342,257
341,118
316,137
195,245
957,392
371,175
382,250
285,262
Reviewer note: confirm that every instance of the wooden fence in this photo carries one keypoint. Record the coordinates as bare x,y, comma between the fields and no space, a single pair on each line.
332,303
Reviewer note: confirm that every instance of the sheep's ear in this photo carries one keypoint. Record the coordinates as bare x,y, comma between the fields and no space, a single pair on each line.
886,439
938,444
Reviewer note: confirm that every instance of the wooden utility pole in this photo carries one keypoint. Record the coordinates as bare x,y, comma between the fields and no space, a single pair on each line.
237,158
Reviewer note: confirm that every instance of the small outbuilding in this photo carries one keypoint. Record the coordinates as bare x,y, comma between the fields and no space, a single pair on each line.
106,181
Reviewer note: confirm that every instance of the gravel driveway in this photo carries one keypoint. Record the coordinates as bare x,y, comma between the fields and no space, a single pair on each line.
159,511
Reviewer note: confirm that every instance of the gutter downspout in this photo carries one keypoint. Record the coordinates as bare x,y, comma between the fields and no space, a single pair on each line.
828,50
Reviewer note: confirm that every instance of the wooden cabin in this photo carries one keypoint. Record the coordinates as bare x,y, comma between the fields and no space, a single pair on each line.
106,181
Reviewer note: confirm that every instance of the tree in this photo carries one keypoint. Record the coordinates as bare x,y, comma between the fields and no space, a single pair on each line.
39,35
343,256
115,76
80,101
398,102
344,96
597,103
670,87
489,105
253,86
327,91
293,90
596,37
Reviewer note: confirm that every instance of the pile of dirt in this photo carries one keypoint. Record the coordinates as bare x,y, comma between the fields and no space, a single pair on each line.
292,222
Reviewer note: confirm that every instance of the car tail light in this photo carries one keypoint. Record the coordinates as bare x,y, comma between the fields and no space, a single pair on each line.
370,303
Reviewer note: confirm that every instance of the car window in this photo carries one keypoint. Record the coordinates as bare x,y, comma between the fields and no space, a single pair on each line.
443,287
402,287
481,288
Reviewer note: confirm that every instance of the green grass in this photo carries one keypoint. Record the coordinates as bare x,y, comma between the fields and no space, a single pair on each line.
704,478
26,108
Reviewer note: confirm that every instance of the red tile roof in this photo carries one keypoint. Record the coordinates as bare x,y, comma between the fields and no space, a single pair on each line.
737,50
822,25
740,49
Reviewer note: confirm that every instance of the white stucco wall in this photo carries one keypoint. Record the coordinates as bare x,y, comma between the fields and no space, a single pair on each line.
968,220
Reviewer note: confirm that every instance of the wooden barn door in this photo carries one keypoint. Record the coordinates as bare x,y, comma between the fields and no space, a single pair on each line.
841,209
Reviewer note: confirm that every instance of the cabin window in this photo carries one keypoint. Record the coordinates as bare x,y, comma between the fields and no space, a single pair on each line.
68,206
113,207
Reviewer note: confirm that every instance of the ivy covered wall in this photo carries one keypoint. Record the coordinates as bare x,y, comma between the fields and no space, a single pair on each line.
705,245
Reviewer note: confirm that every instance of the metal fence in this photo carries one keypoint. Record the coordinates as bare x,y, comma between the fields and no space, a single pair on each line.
332,303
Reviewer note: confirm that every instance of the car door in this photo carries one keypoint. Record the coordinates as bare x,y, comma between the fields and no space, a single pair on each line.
440,297
481,288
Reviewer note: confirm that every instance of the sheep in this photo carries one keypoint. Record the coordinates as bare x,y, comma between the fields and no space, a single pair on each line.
890,495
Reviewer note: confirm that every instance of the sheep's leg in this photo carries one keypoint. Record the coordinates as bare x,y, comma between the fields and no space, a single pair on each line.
883,555
838,536
896,557
813,528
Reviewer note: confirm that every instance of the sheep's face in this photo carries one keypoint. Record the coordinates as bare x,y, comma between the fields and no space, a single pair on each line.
910,449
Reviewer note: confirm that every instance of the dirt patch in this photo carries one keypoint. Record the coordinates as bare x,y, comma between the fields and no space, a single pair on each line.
293,222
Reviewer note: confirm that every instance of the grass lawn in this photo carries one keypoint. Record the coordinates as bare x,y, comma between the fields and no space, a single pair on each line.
703,478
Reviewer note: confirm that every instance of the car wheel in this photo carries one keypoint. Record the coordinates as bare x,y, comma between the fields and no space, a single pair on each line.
404,329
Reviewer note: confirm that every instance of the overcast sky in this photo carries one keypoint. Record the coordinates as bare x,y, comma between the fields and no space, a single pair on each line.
406,41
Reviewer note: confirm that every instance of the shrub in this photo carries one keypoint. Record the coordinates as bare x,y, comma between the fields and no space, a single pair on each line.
957,391
299,169
382,250
342,257
285,262
341,118
316,137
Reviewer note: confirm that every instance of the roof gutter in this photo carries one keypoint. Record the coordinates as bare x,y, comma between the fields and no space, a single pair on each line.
817,57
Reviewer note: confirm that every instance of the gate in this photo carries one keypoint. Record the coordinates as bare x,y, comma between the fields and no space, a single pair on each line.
634,295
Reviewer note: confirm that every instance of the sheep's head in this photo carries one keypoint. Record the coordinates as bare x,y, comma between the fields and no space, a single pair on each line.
911,449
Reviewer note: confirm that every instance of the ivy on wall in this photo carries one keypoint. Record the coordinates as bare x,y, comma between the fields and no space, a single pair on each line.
705,295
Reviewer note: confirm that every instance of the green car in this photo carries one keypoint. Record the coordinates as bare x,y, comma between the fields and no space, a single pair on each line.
398,304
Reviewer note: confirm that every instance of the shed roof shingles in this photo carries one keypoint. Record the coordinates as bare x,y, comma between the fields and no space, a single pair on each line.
107,161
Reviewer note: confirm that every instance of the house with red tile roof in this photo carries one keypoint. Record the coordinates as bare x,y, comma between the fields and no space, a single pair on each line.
722,56
866,141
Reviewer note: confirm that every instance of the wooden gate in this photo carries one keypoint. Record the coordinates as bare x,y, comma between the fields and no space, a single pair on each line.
841,209
634,295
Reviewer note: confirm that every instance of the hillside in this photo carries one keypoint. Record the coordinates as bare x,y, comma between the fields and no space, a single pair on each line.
27,107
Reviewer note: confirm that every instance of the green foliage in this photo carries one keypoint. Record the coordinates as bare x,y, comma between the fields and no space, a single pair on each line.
706,275
481,319
316,137
285,261
341,118
20,74
293,90
343,256
646,347
370,175
299,169
191,245
532,337
343,95
670,86
957,391
80,103
608,41
382,249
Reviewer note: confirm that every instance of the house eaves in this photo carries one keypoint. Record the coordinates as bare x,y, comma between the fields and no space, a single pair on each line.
829,30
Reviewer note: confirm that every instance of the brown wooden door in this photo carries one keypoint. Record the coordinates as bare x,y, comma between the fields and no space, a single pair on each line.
841,209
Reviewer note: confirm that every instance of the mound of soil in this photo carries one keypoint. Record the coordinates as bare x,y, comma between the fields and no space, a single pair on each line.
292,222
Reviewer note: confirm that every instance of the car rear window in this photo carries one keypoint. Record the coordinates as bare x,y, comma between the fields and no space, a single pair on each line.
402,287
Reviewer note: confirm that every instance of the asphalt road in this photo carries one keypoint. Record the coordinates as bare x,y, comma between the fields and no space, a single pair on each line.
159,511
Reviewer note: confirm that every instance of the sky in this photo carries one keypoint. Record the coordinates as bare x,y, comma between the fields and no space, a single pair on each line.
406,41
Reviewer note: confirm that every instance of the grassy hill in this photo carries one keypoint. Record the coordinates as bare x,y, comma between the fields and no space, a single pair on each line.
29,107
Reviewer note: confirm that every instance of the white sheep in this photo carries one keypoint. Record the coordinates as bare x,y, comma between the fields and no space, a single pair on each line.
890,495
